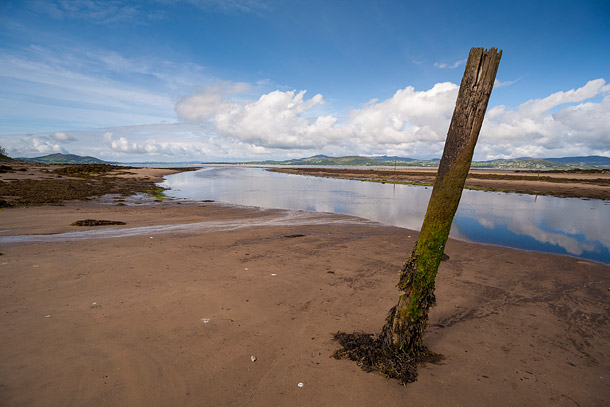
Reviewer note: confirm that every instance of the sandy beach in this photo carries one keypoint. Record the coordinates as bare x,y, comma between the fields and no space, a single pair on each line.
170,309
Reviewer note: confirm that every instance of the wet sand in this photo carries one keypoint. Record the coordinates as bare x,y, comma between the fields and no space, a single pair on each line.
169,308
172,316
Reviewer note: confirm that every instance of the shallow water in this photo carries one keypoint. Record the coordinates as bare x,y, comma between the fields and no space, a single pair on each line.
285,218
571,226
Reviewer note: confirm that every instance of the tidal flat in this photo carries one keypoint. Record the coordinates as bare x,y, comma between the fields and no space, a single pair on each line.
175,315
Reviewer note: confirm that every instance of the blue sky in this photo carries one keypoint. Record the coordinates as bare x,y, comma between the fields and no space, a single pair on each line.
210,80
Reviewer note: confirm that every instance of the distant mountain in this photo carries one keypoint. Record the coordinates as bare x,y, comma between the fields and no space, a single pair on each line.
564,163
585,161
353,160
324,160
65,159
391,158
521,163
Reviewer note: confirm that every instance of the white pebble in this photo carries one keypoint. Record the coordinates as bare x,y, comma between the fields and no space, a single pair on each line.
300,384
253,358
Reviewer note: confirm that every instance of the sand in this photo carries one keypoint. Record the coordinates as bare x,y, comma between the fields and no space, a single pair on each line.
172,314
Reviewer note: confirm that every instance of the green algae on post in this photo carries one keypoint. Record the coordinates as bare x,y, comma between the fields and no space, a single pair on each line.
396,351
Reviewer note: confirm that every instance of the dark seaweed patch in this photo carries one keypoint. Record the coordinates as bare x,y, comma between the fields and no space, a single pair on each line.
93,222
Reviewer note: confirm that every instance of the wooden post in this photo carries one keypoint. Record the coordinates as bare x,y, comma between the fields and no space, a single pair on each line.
407,321
397,350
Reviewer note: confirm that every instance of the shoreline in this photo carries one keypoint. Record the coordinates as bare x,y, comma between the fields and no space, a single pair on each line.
173,317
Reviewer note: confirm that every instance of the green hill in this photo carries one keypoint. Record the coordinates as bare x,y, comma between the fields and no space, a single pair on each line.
526,163
65,159
591,160
353,160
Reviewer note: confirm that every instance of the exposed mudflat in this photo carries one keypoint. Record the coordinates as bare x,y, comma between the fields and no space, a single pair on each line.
23,184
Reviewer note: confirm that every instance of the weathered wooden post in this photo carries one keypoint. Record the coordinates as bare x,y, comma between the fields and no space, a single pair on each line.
408,319
406,322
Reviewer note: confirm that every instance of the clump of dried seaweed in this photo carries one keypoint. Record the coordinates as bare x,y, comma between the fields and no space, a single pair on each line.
372,354
94,222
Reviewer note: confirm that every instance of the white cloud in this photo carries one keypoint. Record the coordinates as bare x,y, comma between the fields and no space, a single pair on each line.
284,120
62,137
204,105
499,84
274,120
562,124
450,66
410,123
152,147
54,87
37,145
234,121
538,107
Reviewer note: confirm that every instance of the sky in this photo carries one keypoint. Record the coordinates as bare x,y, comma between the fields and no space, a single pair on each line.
214,80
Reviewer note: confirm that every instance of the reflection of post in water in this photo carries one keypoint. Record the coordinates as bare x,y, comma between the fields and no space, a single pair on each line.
399,347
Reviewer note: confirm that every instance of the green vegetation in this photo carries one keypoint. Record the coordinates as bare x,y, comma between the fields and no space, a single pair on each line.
157,193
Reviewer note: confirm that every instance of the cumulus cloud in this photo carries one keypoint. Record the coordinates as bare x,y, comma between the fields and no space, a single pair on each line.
564,123
410,123
274,120
286,119
37,145
151,146
223,121
204,105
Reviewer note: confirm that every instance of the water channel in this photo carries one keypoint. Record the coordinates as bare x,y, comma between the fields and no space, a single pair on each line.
575,227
